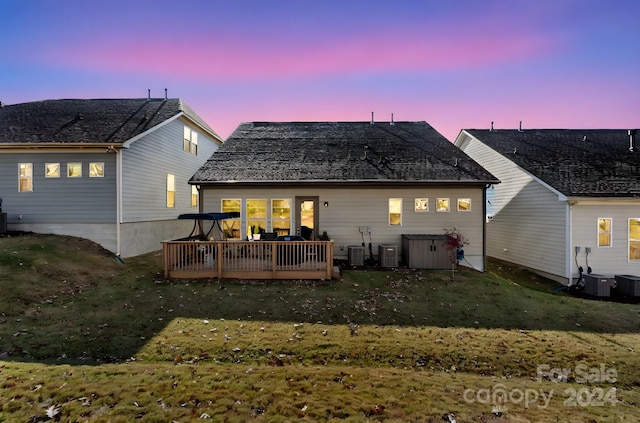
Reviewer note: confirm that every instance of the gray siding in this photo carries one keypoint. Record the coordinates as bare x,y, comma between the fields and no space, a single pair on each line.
59,200
350,208
528,225
146,165
604,260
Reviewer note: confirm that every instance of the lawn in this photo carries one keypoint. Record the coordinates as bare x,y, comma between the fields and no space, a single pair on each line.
85,338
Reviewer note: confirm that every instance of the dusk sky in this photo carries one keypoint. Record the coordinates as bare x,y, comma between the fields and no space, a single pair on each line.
453,63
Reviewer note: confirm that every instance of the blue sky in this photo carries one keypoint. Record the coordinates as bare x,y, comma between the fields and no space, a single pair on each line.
455,64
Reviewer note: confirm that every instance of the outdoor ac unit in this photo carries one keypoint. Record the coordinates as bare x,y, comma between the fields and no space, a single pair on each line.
598,285
388,255
356,255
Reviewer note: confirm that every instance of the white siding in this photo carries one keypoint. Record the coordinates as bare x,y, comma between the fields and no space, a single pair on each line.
604,260
350,208
529,220
145,168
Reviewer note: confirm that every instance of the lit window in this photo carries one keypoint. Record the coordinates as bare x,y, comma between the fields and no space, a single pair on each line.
74,170
25,177
604,232
256,216
190,141
395,211
231,227
464,204
194,196
52,170
96,170
422,204
171,191
634,239
281,216
442,205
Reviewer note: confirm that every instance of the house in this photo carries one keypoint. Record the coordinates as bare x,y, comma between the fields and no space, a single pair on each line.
361,183
114,171
569,199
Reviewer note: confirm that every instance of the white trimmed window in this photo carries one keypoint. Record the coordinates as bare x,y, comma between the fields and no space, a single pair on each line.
256,216
421,205
96,170
52,170
74,170
442,204
395,211
25,177
281,216
604,231
190,142
464,204
171,190
231,227
634,240
194,196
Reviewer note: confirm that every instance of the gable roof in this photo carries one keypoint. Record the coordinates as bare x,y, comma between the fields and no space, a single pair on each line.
339,152
575,162
88,121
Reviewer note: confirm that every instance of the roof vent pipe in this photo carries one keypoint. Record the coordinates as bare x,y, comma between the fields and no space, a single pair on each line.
149,94
520,127
392,122
372,121
165,93
491,127
632,140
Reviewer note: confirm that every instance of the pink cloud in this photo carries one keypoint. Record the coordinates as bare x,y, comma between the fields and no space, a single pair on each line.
235,59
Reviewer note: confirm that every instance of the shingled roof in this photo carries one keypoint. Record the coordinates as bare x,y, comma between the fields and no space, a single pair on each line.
87,121
576,162
339,152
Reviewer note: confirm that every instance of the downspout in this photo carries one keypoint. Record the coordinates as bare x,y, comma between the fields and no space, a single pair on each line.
569,238
484,228
118,201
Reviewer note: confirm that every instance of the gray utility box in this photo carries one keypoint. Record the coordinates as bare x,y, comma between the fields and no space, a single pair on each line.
598,285
628,285
425,252
356,255
388,255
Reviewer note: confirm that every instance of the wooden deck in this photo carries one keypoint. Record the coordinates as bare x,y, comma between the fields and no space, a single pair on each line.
248,259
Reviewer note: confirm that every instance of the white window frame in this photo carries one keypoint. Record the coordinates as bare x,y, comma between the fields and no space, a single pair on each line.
73,165
51,170
632,240
421,205
195,196
275,219
25,173
442,209
395,208
600,231
468,201
229,224
190,141
96,170
171,191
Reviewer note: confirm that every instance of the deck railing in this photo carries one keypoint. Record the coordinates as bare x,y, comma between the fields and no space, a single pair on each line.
248,259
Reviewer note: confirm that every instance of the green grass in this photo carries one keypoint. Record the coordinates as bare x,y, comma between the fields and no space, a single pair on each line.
116,342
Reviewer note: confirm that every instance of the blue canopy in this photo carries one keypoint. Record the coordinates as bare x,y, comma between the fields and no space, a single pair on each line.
210,216
197,233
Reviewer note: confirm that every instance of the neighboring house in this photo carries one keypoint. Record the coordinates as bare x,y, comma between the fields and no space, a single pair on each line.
360,182
569,199
114,171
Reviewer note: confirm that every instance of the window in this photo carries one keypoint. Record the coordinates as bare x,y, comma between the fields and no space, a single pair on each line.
52,170
190,143
442,205
421,204
171,190
634,239
256,216
231,227
96,170
464,204
395,211
281,216
604,232
194,196
74,170
25,177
